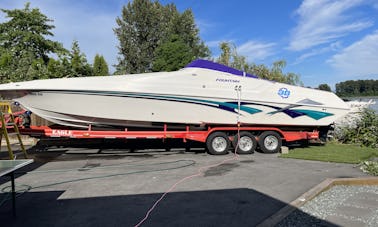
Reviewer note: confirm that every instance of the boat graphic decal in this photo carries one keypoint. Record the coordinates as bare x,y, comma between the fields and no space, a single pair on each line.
287,110
227,106
314,114
284,93
310,102
234,107
293,113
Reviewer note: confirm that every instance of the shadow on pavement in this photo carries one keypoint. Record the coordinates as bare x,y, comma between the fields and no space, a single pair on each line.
230,207
65,149
127,144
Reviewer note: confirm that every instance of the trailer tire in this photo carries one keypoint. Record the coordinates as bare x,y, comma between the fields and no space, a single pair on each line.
247,144
218,143
270,142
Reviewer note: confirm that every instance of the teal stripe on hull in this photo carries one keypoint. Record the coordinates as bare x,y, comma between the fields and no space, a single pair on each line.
317,115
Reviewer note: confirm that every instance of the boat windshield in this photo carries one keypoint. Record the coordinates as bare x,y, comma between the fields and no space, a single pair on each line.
204,64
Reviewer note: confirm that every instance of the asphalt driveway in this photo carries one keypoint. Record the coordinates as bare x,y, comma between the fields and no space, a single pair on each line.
112,187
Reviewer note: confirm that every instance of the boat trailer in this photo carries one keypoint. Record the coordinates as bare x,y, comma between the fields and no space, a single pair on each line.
218,139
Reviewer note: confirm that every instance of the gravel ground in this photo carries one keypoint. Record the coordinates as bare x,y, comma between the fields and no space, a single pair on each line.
339,206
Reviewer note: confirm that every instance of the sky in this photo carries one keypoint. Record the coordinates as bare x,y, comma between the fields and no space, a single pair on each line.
323,41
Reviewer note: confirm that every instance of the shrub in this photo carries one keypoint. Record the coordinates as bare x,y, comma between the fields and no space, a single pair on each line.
370,167
361,129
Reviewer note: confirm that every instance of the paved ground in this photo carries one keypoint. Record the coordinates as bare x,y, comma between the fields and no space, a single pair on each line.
82,187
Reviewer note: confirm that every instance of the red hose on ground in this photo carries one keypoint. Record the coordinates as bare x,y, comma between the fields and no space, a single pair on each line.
199,173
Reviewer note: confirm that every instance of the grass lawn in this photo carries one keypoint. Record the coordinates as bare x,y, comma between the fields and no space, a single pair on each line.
332,152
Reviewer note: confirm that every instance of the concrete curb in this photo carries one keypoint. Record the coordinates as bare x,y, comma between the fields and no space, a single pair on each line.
312,193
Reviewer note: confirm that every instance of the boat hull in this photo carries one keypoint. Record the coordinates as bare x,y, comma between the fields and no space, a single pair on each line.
81,109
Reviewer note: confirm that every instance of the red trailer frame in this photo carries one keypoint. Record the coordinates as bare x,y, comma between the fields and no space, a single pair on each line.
200,136
218,139
225,135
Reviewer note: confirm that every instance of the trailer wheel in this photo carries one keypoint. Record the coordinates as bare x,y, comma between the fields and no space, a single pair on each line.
270,142
246,143
218,143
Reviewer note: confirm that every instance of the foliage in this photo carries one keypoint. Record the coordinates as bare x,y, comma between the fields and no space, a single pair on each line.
100,67
226,55
370,167
26,31
24,48
27,54
230,57
324,87
172,55
333,152
57,69
144,26
364,131
352,88
183,26
79,65
139,31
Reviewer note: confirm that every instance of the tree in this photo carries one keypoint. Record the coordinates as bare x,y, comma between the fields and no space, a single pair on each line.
351,88
146,25
54,68
24,46
78,62
183,25
59,68
172,55
139,31
324,87
27,30
100,67
225,56
230,57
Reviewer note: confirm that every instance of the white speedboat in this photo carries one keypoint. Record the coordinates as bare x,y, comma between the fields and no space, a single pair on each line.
201,94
